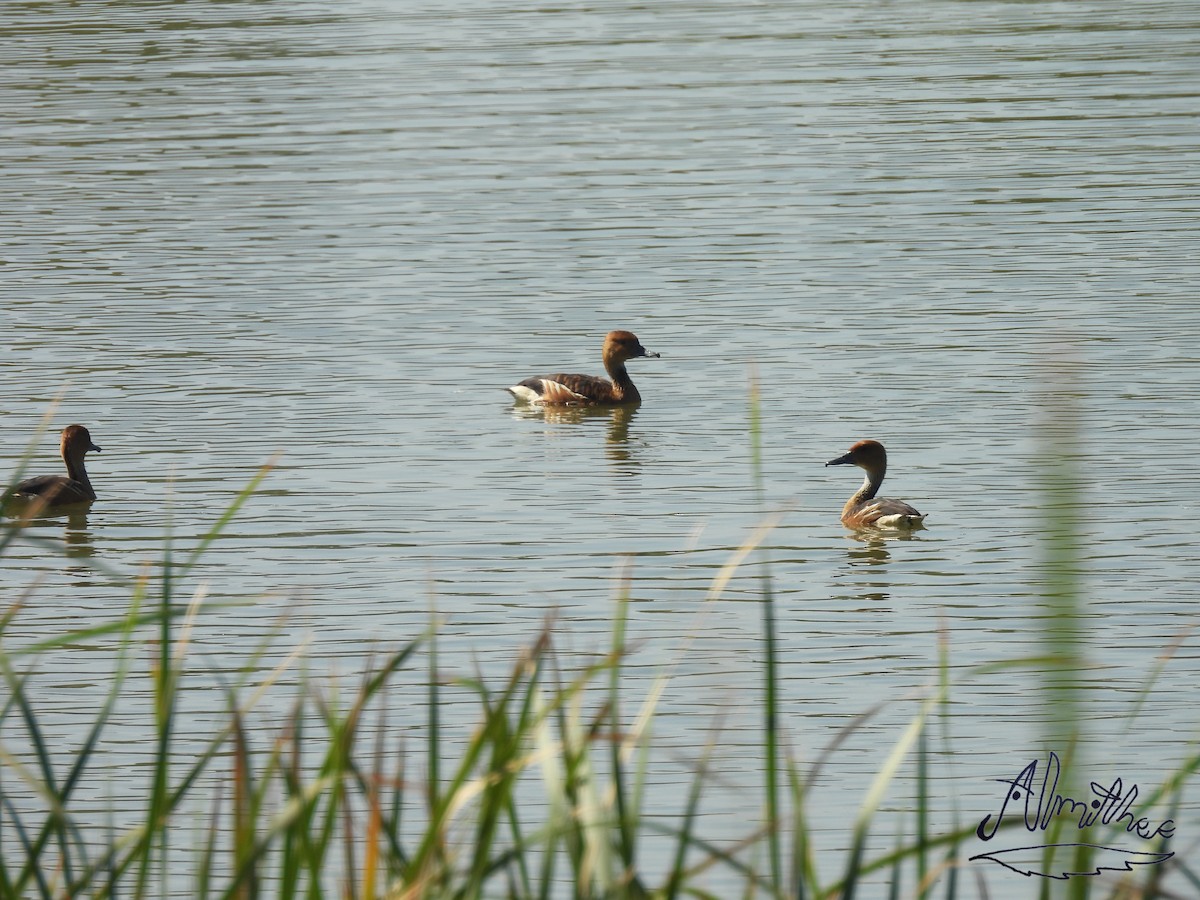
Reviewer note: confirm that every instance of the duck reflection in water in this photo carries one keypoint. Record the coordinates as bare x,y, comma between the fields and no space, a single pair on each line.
867,558
617,444
871,551
28,516
77,539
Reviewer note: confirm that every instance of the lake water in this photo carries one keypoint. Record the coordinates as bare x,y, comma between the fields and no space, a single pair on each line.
337,232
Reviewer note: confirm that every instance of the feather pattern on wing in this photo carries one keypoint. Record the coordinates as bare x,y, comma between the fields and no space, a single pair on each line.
577,389
55,489
883,512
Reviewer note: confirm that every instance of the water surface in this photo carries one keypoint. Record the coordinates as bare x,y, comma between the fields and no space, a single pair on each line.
240,232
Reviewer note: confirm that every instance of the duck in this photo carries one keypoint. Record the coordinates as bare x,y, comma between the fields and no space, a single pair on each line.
864,509
588,390
60,490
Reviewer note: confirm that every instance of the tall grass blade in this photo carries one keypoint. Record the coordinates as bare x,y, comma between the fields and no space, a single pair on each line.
228,515
1062,631
430,857
805,882
43,782
770,664
626,824
677,870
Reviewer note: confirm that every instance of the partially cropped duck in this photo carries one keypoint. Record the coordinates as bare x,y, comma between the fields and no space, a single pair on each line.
588,390
864,509
60,490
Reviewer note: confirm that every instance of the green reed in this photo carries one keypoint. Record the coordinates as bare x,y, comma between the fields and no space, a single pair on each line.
338,803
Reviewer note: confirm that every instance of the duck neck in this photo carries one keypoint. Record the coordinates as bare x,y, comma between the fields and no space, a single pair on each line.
76,470
622,383
870,487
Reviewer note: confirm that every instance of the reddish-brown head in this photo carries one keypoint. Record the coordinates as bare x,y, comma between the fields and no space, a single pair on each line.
77,439
868,455
622,345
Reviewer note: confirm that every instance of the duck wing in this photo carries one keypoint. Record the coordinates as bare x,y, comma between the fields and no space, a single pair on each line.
40,484
57,490
566,390
884,512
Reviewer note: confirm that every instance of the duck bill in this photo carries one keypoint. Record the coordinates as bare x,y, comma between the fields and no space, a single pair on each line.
843,460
